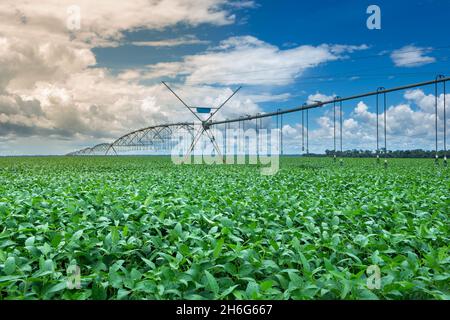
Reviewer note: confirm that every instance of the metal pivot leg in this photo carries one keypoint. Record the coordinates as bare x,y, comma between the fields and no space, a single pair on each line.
200,132
193,144
214,143
205,123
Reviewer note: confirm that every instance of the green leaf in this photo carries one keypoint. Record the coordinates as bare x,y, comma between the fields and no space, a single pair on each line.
266,285
9,278
135,275
122,294
57,287
98,292
218,248
147,201
228,291
115,236
48,265
361,240
149,263
178,229
441,277
366,294
30,241
304,262
77,235
10,266
45,249
212,283
56,240
252,290
115,280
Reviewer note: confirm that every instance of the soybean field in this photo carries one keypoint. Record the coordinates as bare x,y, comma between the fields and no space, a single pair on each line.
144,228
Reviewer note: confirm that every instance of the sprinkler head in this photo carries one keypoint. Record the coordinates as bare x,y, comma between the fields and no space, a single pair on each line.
385,163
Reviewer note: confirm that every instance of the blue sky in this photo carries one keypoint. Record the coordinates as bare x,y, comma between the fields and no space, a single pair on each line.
314,47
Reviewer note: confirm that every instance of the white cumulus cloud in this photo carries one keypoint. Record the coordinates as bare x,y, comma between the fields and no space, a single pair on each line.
411,56
250,61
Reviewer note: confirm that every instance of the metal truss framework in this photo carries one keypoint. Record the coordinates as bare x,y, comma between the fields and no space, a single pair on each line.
97,150
155,138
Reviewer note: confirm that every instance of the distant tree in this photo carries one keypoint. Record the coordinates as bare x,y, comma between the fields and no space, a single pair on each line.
415,153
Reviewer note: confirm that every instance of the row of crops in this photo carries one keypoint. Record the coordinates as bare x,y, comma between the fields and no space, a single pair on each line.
143,228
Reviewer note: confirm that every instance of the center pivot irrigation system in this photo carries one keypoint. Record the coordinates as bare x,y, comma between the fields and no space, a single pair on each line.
206,126
159,137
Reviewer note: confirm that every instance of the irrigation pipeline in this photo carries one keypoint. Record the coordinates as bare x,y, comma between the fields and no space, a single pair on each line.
334,128
445,124
307,131
440,77
385,125
303,131
340,124
324,103
337,102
